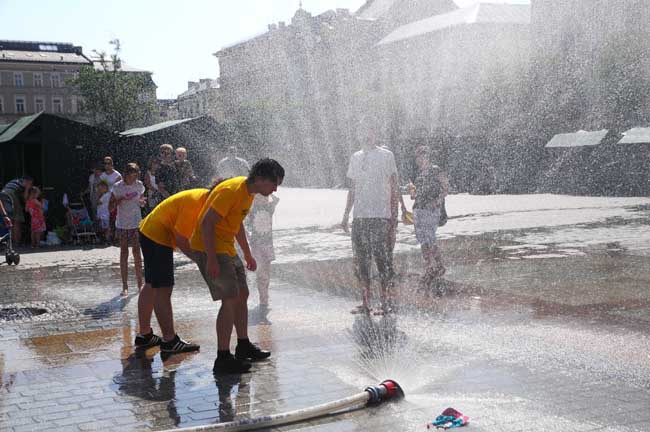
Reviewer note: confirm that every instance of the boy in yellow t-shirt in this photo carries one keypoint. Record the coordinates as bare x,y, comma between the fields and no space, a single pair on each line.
220,223
168,226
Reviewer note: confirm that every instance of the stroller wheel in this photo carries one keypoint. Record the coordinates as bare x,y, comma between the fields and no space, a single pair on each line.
9,258
16,258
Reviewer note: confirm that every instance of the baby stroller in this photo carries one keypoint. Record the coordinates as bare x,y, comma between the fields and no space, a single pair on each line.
81,226
11,256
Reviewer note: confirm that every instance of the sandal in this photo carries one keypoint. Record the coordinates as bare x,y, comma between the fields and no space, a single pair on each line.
361,309
124,293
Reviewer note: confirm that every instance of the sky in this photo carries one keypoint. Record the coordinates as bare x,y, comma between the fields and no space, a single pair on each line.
174,39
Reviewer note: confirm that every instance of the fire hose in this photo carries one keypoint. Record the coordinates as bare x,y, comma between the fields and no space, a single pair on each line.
371,396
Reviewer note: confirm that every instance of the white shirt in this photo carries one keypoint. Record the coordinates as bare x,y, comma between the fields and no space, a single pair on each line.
102,207
230,167
371,171
111,178
129,214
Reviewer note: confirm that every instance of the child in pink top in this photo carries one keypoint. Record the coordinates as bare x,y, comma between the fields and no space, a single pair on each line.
35,209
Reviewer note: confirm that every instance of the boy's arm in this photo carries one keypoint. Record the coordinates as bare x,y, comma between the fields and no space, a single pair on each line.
348,207
208,223
184,246
251,264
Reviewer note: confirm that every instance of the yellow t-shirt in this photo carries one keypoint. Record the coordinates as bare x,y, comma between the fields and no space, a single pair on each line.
232,202
179,213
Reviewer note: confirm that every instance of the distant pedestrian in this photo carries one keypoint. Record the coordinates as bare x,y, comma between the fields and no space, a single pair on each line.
373,194
429,192
94,180
153,195
127,197
167,175
261,242
184,169
18,191
232,166
110,175
35,209
103,211
220,224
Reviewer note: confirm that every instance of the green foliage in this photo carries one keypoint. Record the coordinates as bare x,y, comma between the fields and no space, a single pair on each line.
116,99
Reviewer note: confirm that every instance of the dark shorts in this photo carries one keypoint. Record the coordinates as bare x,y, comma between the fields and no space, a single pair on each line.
231,279
371,238
158,263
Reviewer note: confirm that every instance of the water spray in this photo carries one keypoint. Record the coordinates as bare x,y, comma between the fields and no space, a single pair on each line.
371,396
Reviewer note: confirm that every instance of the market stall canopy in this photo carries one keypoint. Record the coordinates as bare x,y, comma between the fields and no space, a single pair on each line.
156,127
578,139
9,132
636,135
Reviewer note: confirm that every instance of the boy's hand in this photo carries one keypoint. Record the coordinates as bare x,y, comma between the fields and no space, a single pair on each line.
251,264
212,267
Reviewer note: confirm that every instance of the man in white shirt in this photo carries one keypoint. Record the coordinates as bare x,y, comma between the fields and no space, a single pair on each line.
374,195
232,166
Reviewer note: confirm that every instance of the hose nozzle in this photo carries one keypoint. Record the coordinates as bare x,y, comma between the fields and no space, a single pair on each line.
386,390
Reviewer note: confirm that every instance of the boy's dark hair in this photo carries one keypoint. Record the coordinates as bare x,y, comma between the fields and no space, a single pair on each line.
268,169
27,177
131,168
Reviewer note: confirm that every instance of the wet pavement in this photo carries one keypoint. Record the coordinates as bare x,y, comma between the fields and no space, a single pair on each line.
541,328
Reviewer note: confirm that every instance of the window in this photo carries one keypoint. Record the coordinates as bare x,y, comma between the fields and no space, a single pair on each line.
73,106
57,105
80,105
39,104
56,80
38,80
18,79
20,104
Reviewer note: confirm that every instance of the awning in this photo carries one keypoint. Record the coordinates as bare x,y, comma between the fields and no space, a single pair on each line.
154,128
636,135
578,139
17,127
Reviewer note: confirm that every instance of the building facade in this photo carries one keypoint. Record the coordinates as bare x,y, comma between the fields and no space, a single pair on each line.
201,98
292,92
591,64
34,77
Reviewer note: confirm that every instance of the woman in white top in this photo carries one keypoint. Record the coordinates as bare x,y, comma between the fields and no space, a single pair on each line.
110,175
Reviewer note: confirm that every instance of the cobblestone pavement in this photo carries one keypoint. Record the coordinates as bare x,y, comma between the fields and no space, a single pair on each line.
517,344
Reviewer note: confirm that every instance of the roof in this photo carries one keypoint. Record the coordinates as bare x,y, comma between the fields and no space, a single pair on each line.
578,139
480,13
97,64
42,57
154,128
636,135
404,11
202,85
17,127
3,127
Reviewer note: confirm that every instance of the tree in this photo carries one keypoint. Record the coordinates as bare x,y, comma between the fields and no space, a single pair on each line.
116,99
